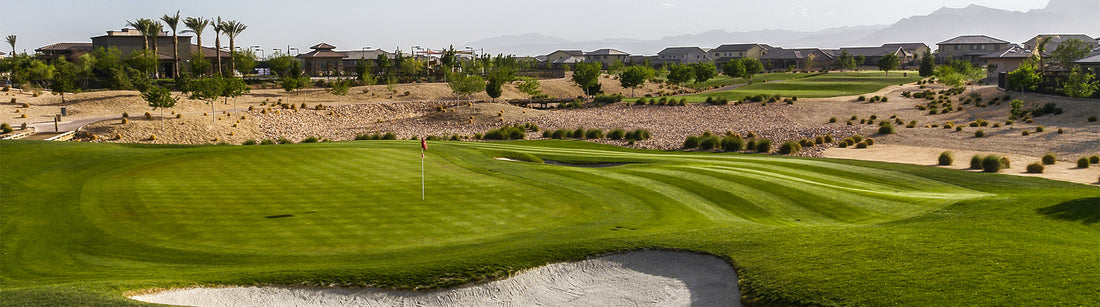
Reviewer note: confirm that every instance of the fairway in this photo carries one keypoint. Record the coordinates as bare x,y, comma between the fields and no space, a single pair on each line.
85,223
833,84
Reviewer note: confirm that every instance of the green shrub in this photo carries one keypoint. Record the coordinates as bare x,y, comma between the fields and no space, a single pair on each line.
731,143
832,120
267,142
710,142
6,128
947,158
763,145
311,139
887,129
249,142
1025,133
593,134
283,140
861,98
979,133
1092,119
788,148
1095,159
828,138
1049,159
1035,168
1040,129
1083,162
389,136
559,134
976,162
819,140
638,135
869,141
692,142
606,99
616,134
857,138
993,163
861,145
579,133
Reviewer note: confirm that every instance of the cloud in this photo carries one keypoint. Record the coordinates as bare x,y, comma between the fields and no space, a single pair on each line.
799,11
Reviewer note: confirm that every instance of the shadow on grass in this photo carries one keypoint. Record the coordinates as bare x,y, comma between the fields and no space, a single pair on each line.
1085,210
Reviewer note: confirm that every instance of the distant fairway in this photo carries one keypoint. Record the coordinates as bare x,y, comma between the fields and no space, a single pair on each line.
816,85
84,222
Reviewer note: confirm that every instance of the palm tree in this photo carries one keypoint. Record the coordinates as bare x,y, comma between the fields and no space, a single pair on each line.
143,26
196,25
219,27
1041,50
11,41
173,23
154,31
233,28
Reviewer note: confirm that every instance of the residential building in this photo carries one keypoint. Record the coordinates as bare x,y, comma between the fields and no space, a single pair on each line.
562,54
1057,40
915,50
683,55
781,59
71,51
1005,60
871,55
1091,62
353,57
322,61
129,40
969,48
727,52
606,57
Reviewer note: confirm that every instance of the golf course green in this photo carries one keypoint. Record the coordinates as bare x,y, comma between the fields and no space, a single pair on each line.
813,85
85,224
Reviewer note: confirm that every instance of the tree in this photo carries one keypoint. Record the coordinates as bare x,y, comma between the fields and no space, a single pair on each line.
159,98
39,72
888,62
1080,84
810,62
11,41
173,23
449,58
860,60
219,27
680,73
587,76
616,66
197,25
208,90
284,65
463,84
64,79
340,87
734,68
1069,52
927,65
530,86
1041,50
752,67
635,76
154,31
233,88
845,61
498,77
1024,78
244,62
143,26
199,64
232,28
383,63
704,71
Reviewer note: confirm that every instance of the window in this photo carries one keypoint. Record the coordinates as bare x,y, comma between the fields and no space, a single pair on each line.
958,47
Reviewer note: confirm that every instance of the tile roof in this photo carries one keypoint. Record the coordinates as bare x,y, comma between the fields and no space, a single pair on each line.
322,46
1011,52
786,54
569,52
606,52
322,53
1095,59
569,60
681,50
737,47
369,54
66,47
208,52
869,51
906,46
972,39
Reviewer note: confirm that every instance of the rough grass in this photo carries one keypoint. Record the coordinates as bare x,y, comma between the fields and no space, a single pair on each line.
84,223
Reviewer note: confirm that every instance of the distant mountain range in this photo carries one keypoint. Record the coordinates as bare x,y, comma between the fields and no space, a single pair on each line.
1059,16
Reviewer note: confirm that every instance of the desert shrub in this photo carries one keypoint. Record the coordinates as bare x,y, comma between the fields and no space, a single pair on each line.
1049,159
267,142
842,144
947,158
692,142
763,145
1040,129
6,128
638,135
788,148
1025,133
283,140
521,156
884,99
1083,162
832,120
249,142
311,139
818,140
579,133
861,98
606,99
731,143
1061,131
616,134
861,145
593,134
430,138
976,162
125,115
709,142
640,102
828,138
857,138
869,141
124,121
389,136
993,163
559,134
1094,159
887,129
1092,119
1035,168
806,142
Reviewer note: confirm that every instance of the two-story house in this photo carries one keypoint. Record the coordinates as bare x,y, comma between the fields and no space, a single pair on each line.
916,51
606,57
969,48
683,55
727,52
871,55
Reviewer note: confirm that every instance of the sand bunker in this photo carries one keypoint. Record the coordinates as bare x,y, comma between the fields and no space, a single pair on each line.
649,278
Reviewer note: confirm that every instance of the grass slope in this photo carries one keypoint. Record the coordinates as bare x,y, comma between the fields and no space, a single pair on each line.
832,84
85,223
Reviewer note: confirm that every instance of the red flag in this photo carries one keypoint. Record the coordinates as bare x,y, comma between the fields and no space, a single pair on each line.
423,144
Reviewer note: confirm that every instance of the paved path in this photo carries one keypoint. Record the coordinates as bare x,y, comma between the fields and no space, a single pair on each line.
45,127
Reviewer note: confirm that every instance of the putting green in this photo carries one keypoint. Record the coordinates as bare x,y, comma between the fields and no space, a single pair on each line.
83,223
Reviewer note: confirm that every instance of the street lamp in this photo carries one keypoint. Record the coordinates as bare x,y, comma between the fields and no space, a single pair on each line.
296,52
364,54
257,47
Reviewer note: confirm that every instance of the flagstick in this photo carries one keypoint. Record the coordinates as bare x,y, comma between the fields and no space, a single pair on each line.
421,173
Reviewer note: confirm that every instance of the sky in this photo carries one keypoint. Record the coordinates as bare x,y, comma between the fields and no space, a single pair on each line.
355,24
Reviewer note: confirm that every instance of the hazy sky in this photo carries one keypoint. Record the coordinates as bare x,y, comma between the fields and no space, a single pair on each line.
354,24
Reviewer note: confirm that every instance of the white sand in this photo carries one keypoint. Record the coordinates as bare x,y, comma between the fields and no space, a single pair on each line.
646,278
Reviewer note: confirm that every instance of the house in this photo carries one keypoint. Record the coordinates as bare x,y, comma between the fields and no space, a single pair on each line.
1091,62
969,48
725,53
322,61
916,50
1005,61
210,55
129,40
353,57
565,57
71,51
796,59
871,55
606,57
1057,40
683,55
